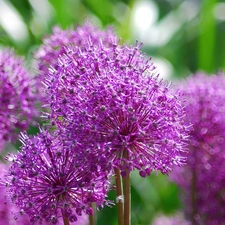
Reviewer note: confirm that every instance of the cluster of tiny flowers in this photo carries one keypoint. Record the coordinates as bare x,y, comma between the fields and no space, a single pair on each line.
54,46
11,215
110,99
203,179
17,99
48,180
177,219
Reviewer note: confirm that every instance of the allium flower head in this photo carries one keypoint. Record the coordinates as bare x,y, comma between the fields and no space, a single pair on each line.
17,107
110,100
203,179
10,214
54,45
48,181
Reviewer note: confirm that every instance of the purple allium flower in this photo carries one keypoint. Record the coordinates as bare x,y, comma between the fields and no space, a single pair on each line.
48,179
110,100
53,45
177,219
17,105
11,215
203,179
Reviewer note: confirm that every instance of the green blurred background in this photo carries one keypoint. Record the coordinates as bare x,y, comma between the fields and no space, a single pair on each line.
183,37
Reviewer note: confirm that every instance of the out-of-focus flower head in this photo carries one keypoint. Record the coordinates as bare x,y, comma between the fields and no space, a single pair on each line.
177,219
54,45
17,100
203,179
49,180
110,99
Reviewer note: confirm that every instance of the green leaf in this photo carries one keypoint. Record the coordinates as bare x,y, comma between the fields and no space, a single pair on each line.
207,31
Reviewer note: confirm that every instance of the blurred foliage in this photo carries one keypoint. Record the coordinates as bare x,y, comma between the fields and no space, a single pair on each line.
187,36
192,31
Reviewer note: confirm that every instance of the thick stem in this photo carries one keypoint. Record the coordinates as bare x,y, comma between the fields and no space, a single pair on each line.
127,195
65,220
92,218
119,196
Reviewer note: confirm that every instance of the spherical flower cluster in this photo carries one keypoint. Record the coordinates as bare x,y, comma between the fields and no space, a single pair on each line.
54,45
109,98
48,180
203,179
11,215
177,219
17,105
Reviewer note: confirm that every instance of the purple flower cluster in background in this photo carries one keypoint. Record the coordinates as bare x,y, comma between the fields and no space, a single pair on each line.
17,99
203,179
54,45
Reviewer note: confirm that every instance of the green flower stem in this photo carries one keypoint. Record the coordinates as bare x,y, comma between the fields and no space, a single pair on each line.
127,196
65,220
119,193
92,218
